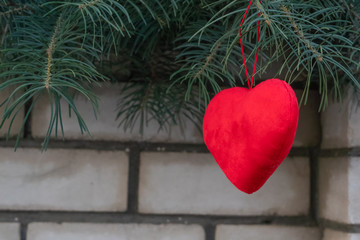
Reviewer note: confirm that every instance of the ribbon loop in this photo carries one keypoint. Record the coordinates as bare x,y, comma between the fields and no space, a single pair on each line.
250,85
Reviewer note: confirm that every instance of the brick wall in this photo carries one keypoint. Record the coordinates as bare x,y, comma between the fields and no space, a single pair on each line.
118,185
339,175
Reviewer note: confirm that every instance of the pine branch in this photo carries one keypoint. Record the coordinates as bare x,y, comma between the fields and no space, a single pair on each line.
89,4
300,33
143,104
60,67
50,52
43,54
208,60
5,31
13,11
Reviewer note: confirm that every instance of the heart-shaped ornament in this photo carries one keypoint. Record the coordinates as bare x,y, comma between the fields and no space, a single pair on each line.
250,132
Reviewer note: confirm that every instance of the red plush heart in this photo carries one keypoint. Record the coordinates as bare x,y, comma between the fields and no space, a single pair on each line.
250,132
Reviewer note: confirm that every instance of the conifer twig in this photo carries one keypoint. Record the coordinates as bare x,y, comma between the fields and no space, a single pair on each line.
300,33
89,4
208,60
50,52
352,11
262,11
14,10
4,34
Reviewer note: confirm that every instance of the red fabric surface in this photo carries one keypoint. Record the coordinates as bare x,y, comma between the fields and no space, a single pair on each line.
250,132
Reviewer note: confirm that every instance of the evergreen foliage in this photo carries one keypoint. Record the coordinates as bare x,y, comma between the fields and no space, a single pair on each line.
175,53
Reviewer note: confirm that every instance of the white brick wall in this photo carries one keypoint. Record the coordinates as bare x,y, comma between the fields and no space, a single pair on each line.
177,183
67,231
335,235
105,127
17,122
340,123
9,231
339,189
79,180
258,232
194,184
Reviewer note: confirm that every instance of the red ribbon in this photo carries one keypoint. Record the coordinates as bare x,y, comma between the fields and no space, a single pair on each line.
242,49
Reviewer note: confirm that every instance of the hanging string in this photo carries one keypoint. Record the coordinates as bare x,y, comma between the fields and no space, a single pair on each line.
250,85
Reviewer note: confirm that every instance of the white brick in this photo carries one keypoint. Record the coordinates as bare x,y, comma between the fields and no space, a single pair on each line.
79,180
308,130
258,232
17,122
46,231
194,184
339,189
335,235
105,127
333,189
341,123
9,231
